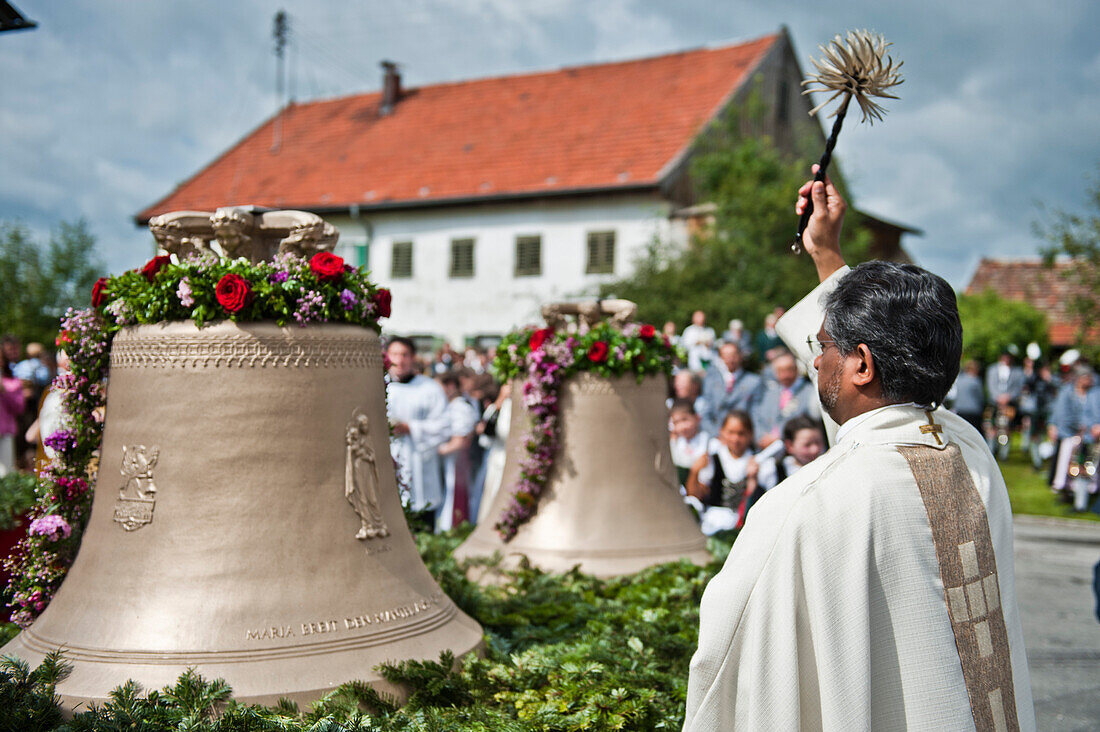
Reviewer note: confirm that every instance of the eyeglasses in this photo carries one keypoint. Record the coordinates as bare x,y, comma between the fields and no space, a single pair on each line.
817,347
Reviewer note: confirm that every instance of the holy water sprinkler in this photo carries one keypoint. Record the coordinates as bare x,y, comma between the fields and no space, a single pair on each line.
853,67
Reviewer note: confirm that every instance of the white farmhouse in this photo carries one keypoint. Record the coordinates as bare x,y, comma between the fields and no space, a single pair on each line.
476,202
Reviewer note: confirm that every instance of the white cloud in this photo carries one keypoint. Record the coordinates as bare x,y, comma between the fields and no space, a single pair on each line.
108,105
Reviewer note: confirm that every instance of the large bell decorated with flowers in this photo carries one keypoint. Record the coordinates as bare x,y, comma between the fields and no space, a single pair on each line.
588,478
246,519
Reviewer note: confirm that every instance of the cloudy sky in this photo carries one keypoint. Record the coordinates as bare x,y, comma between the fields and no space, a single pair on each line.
108,104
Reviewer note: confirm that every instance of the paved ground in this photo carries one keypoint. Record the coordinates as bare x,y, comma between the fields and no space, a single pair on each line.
1054,576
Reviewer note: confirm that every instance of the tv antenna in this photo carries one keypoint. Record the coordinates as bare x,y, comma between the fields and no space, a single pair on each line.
280,32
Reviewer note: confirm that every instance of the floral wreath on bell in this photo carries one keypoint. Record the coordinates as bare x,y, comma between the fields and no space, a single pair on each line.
201,288
544,358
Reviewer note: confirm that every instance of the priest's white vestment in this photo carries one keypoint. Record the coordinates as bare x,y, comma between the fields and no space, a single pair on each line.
421,404
872,590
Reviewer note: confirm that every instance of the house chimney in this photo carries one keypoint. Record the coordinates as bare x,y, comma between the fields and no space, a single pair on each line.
391,87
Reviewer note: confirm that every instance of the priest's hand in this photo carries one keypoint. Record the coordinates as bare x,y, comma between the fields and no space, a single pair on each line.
822,236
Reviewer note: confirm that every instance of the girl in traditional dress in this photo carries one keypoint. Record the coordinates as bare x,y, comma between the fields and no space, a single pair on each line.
724,479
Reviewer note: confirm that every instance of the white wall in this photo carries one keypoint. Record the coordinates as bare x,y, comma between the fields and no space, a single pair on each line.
494,300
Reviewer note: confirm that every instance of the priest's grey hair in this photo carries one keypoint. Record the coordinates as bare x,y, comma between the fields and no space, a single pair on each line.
909,319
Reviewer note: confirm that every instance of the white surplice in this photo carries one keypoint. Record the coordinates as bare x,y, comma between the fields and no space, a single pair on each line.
422,405
462,420
830,612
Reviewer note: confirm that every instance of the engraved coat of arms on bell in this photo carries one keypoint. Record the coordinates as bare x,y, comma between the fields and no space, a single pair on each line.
137,496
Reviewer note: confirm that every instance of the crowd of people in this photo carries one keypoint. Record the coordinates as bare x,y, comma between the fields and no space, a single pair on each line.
742,417
25,377
1055,409
733,433
449,424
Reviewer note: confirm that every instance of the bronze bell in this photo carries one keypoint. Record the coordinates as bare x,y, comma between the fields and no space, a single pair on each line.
246,522
612,504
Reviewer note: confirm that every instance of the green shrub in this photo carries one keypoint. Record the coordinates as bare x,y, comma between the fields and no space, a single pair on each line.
17,496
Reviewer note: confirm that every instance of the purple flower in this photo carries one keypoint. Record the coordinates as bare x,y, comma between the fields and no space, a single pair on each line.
279,277
61,441
310,307
53,527
348,299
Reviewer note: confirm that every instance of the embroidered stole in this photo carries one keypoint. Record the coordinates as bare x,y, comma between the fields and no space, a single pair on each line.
968,568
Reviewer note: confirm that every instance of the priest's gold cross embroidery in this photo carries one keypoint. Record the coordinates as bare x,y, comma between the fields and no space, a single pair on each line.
932,427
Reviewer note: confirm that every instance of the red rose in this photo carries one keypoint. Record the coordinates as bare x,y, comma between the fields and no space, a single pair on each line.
233,292
647,332
382,302
99,292
597,352
154,265
539,337
326,266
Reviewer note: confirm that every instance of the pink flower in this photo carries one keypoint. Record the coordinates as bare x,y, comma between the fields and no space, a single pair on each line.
52,526
183,292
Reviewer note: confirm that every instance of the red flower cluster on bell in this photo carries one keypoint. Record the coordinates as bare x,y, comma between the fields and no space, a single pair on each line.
326,266
99,292
155,265
233,292
597,352
539,337
647,332
382,300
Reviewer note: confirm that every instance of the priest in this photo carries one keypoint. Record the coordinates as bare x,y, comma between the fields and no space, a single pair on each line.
874,589
417,409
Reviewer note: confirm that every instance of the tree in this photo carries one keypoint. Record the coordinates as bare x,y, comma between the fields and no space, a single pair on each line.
742,266
992,324
39,284
1078,237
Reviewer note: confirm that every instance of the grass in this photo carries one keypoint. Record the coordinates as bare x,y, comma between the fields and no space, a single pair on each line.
1030,493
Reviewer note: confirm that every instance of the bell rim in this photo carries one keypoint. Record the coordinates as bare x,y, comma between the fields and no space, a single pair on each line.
445,613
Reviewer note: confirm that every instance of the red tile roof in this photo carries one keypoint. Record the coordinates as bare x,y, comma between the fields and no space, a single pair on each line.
1030,281
603,126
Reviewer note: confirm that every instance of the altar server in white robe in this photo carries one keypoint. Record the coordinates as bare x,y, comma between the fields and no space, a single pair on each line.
417,409
874,589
